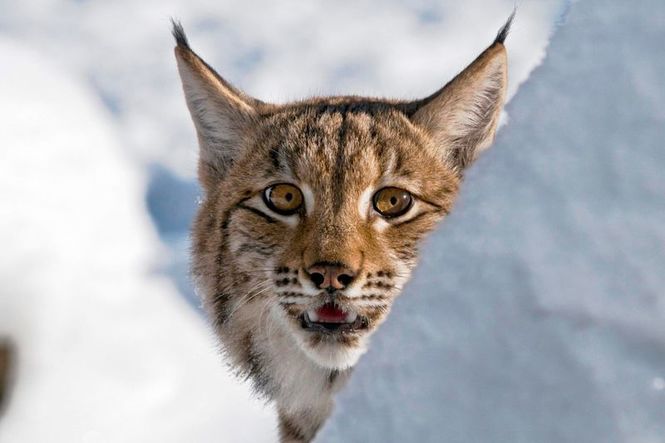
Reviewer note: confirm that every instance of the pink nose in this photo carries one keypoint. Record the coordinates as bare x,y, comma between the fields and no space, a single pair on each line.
330,276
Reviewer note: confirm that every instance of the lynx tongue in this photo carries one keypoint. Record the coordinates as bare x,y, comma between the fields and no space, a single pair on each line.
329,313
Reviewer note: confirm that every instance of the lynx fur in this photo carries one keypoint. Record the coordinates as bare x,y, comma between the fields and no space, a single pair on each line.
312,214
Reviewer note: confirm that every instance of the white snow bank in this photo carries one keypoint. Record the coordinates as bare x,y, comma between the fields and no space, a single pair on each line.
107,351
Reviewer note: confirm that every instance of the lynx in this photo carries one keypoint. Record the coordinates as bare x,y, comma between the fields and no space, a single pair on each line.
312,215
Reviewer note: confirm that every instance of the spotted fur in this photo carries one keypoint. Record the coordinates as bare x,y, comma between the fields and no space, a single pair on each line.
250,262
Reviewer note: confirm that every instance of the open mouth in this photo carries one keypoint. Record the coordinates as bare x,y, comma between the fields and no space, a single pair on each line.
330,318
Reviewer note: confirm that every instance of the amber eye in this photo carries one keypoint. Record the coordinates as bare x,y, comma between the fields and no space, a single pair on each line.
283,198
392,202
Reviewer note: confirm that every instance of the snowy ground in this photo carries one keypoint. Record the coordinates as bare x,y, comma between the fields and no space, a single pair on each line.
96,147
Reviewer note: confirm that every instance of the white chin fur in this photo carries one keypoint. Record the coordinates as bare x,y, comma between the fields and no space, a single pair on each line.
334,356
325,355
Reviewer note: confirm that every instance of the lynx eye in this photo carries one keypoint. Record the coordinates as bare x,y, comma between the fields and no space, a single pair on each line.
283,198
392,202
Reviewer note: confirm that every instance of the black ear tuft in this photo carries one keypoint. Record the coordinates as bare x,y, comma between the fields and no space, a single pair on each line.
179,34
505,29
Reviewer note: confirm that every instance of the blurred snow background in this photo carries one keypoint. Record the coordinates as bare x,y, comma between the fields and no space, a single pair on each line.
122,52
545,318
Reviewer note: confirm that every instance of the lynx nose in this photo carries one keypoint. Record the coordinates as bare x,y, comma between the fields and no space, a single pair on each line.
330,276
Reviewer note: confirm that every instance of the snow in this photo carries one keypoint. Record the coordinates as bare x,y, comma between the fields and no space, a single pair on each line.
538,312
108,351
96,146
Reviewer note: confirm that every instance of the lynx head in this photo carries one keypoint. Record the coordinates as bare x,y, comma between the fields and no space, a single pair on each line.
313,210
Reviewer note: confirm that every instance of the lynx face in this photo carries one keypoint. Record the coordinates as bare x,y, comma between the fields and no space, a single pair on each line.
320,220
312,216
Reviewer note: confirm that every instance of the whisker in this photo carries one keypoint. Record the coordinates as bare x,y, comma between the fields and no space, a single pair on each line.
257,271
262,324
301,300
372,304
257,290
275,271
292,294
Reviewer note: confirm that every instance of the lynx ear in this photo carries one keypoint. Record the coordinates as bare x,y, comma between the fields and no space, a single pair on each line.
462,116
223,115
